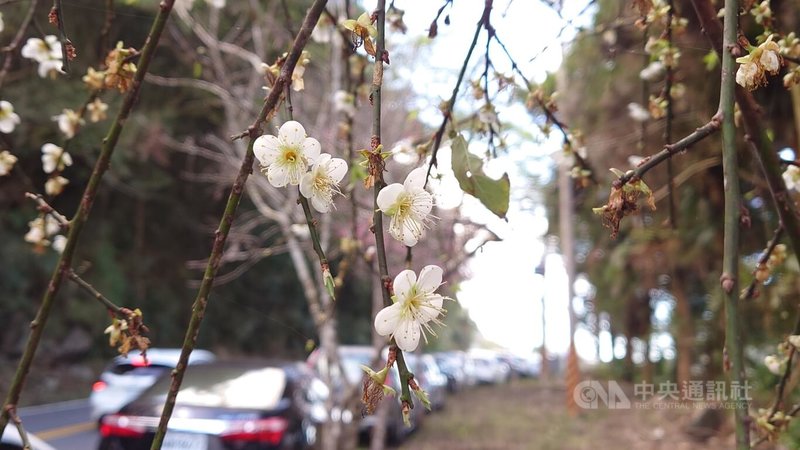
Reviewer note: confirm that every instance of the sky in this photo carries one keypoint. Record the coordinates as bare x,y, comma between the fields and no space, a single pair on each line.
502,295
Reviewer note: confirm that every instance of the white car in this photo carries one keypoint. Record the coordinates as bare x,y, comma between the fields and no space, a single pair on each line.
12,441
126,377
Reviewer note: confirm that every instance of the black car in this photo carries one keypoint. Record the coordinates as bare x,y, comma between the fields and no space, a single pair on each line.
225,406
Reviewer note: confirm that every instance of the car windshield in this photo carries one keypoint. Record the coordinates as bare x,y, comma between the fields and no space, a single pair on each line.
226,387
139,370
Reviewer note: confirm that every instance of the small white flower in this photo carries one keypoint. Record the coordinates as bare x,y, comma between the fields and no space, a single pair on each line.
322,181
638,113
42,50
68,122
219,4
54,157
286,157
2,23
8,118
653,71
791,176
97,110
297,78
41,229
749,75
51,68
794,340
770,61
415,305
55,185
7,161
774,364
344,102
408,205
59,242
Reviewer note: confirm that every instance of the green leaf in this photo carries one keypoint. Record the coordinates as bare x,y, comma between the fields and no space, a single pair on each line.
468,168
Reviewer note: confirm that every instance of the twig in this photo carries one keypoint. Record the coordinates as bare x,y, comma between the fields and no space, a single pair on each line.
671,149
751,288
448,112
26,443
67,49
670,115
108,304
12,47
226,221
45,207
82,214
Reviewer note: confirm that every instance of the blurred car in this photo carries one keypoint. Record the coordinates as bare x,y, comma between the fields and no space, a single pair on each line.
127,376
489,369
11,440
452,365
352,357
433,381
225,406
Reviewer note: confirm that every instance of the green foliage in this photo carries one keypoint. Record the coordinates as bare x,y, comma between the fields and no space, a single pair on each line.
468,169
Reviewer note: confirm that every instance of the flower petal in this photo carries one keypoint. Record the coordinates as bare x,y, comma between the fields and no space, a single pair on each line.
321,204
416,178
407,335
278,175
387,196
422,203
403,284
292,133
266,149
311,149
387,319
337,169
307,184
430,278
430,308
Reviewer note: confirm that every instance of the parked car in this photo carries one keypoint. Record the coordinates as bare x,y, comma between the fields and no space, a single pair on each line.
225,406
127,376
489,369
433,381
451,364
11,440
352,357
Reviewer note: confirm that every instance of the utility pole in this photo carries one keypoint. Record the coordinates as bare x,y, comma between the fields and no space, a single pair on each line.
565,213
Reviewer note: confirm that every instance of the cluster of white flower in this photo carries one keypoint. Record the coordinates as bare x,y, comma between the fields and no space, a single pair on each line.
46,52
42,229
762,60
8,121
286,159
54,161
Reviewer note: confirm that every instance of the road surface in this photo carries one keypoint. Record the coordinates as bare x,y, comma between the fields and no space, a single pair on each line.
65,425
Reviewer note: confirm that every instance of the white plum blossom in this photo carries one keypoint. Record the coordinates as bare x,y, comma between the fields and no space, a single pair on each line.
774,364
219,4
322,181
59,243
415,305
46,52
638,113
41,229
286,158
344,102
748,75
8,118
791,176
42,50
653,71
55,185
54,158
7,161
408,205
68,122
754,66
97,110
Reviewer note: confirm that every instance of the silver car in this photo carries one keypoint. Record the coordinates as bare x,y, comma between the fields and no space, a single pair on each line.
126,377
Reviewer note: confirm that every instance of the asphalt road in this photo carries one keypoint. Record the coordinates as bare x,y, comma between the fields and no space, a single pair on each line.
65,425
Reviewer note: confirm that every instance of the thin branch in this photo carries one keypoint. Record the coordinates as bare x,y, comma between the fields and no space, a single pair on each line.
448,111
23,435
226,221
45,207
108,304
11,48
82,214
748,293
671,149
67,49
